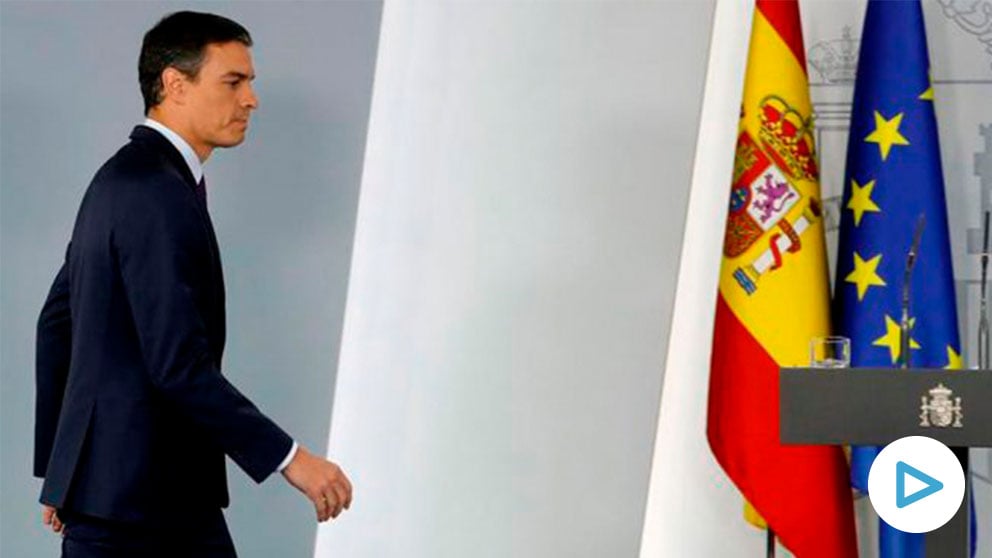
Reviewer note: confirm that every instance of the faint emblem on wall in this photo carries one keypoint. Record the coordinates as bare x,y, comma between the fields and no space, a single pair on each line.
836,61
940,410
969,285
973,16
983,170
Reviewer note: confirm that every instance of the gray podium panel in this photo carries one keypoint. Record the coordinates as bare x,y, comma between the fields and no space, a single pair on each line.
874,406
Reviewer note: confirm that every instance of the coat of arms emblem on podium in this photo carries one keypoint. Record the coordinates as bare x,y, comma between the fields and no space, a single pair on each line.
940,411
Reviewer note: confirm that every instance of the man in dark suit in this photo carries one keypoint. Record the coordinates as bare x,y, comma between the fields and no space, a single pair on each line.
133,416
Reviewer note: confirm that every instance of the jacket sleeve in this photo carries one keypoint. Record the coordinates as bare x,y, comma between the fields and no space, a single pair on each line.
156,243
53,347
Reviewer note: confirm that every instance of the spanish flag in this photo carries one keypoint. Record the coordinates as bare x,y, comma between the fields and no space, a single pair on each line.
774,298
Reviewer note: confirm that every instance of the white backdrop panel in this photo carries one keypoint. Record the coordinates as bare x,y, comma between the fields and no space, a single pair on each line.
692,508
518,235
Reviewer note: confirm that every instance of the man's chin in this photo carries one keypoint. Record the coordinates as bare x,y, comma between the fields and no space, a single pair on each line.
231,142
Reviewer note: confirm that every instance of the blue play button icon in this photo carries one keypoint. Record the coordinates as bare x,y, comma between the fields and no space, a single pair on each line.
903,469
896,488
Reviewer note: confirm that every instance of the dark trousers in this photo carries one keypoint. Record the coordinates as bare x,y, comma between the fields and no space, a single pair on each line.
200,536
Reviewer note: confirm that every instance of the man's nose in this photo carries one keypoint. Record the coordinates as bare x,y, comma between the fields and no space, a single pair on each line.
250,99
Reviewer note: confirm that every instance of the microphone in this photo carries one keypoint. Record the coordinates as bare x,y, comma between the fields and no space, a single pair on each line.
921,221
904,332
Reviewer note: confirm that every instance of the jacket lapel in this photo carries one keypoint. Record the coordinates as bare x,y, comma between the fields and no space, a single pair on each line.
160,144
175,161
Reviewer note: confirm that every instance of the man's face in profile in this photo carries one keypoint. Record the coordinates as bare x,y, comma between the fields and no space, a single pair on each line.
220,99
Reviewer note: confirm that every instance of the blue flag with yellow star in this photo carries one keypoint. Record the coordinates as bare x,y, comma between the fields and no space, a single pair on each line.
894,176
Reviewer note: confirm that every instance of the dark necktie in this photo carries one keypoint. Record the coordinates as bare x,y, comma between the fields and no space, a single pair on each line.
201,191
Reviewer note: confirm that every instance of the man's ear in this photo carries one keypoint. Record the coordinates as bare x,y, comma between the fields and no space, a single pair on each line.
173,85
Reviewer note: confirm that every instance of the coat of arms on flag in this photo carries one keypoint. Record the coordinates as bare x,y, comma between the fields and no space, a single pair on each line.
763,191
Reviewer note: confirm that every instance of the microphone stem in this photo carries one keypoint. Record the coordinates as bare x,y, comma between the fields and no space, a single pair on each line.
983,317
904,324
983,336
904,329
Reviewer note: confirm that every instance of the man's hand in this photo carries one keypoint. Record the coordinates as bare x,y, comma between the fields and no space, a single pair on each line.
323,482
51,518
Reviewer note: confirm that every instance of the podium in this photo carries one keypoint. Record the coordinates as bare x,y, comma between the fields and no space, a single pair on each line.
875,406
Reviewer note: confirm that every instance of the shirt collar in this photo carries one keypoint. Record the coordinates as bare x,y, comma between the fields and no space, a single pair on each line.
192,161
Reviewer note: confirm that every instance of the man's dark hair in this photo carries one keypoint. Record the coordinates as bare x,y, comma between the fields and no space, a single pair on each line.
179,40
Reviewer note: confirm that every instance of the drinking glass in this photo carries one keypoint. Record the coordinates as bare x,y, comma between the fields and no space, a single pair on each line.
833,351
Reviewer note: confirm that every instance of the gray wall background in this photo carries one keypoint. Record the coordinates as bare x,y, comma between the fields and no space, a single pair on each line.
283,205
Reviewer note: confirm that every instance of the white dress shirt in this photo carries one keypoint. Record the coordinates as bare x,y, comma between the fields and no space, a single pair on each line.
196,167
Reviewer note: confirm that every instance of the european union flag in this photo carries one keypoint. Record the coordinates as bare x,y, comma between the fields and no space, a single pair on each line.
893,176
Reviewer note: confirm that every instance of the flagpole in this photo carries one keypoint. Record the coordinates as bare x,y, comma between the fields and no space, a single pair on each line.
770,544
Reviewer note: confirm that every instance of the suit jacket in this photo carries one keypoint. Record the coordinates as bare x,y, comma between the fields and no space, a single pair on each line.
133,416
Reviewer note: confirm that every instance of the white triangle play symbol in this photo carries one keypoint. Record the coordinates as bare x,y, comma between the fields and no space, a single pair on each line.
914,485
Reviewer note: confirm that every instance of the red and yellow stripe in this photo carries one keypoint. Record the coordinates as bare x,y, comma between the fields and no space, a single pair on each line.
802,492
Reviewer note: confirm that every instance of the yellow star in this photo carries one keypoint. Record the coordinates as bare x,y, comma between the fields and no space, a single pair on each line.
928,94
891,338
954,360
861,200
865,274
886,133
